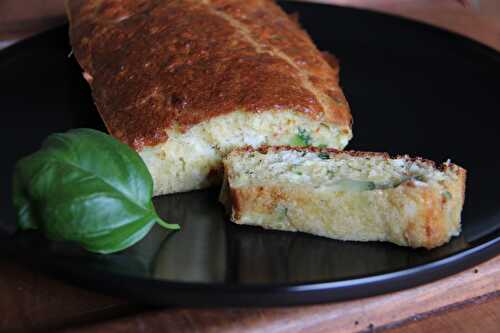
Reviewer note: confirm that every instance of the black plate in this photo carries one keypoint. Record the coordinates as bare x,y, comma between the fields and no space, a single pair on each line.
413,89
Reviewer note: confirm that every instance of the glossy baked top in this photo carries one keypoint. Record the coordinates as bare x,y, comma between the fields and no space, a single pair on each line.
157,64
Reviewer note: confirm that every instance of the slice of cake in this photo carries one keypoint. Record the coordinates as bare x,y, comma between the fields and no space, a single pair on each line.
360,196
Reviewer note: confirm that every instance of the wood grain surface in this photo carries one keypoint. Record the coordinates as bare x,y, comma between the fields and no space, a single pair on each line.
478,315
363,314
478,19
32,301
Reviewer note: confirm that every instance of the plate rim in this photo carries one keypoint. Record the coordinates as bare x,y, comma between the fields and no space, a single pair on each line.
201,295
436,269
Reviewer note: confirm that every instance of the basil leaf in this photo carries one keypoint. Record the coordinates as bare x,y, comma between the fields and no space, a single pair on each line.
87,187
301,139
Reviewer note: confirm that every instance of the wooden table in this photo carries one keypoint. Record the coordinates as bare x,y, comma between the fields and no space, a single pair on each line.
466,302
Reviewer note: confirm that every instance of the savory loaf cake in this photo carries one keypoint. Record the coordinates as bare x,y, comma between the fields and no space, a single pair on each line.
347,195
184,82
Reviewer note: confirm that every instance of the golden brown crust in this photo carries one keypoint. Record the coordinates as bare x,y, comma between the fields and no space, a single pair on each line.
236,200
157,64
428,229
462,174
332,61
355,153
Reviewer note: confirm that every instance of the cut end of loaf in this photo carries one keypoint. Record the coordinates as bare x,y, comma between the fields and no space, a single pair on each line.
192,159
345,195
